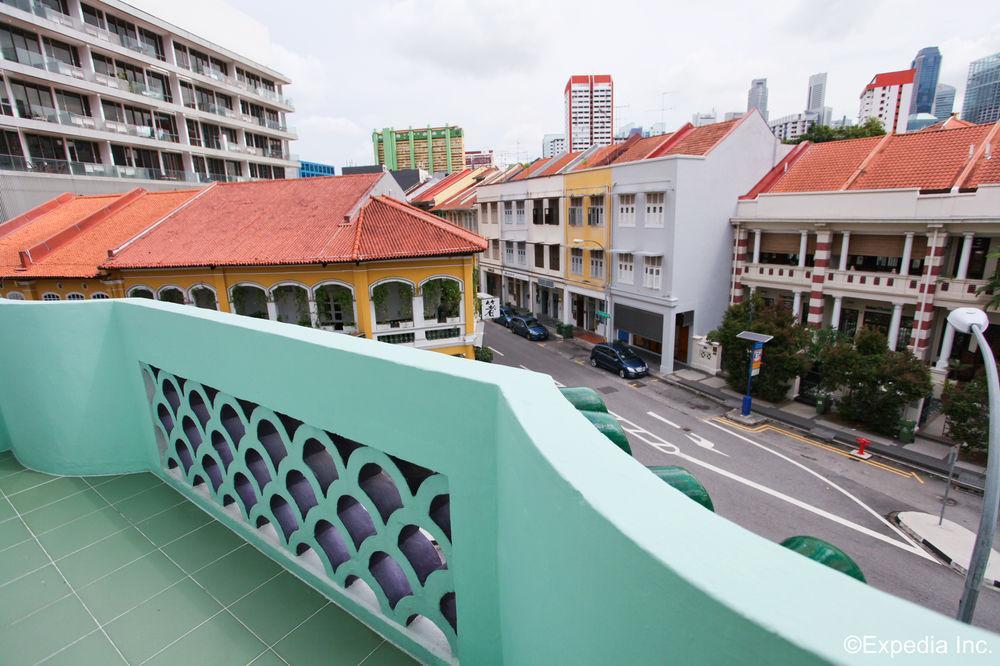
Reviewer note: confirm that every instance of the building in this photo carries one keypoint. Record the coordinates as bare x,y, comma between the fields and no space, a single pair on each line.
461,208
982,90
816,98
434,149
887,97
844,121
704,118
927,65
99,97
944,101
733,115
478,158
440,189
788,128
757,97
590,111
265,250
919,121
553,144
406,178
312,169
888,232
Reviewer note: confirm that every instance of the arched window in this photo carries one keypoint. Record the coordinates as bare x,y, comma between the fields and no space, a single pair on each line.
75,296
334,306
204,297
98,295
172,295
442,299
393,303
249,301
292,303
140,292
15,296
50,297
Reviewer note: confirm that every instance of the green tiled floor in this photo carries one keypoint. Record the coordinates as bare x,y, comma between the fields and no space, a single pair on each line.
123,569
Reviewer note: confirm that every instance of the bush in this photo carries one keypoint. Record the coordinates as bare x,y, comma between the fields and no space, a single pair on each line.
784,356
484,354
565,330
966,409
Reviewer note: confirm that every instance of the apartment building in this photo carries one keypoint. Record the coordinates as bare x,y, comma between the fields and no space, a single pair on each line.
105,95
590,111
887,97
890,233
434,148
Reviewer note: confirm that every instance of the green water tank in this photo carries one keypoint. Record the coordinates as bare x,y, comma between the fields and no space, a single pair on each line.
824,553
684,481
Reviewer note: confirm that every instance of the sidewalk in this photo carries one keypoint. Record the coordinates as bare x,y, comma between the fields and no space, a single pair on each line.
952,542
924,453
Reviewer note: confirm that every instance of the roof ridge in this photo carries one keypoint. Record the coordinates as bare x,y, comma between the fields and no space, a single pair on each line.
966,172
112,252
18,221
683,131
777,171
872,154
428,217
736,122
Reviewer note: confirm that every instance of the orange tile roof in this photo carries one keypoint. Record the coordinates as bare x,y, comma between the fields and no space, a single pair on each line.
642,148
597,158
700,140
300,221
428,195
466,198
951,122
559,164
936,160
73,238
532,169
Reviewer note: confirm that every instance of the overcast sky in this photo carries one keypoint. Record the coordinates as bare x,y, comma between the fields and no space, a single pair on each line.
498,68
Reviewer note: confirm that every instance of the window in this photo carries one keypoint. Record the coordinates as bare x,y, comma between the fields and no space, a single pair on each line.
576,211
103,65
576,261
50,297
495,249
93,16
520,212
654,209
187,95
538,211
539,255
152,42
554,251
112,111
625,268
595,215
508,252
75,296
626,210
98,296
508,213
45,147
597,264
15,296
181,55
32,101
73,103
62,52
651,272
522,254
20,46
83,151
158,86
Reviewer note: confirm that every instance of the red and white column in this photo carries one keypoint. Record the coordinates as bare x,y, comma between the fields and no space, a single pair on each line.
923,318
821,261
739,265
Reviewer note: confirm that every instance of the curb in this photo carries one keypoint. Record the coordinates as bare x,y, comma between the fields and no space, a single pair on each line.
955,566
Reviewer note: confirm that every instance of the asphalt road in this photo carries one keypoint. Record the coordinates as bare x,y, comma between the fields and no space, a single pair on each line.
772,481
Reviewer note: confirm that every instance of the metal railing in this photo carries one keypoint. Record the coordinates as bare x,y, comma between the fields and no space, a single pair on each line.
73,168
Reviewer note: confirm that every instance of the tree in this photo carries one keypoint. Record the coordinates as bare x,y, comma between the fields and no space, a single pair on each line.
966,410
784,356
875,383
992,288
823,133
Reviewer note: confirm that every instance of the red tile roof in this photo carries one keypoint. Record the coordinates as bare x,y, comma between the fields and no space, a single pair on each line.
937,160
288,222
642,148
466,198
428,195
951,122
533,168
559,164
73,235
700,140
885,79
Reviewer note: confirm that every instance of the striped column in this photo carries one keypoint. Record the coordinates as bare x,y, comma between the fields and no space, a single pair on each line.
739,264
821,261
923,318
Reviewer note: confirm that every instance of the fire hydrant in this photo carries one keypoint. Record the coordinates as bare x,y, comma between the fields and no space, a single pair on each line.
860,451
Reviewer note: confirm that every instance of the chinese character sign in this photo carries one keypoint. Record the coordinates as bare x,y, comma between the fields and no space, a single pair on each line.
490,307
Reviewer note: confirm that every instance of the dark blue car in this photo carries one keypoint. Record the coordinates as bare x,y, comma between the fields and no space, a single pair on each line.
528,327
619,358
506,313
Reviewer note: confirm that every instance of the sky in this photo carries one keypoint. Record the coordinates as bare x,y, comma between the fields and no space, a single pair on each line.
498,68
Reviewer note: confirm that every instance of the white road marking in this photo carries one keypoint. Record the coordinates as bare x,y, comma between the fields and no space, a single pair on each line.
667,421
697,439
663,445
497,351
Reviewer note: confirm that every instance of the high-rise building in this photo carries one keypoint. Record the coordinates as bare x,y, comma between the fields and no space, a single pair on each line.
927,65
944,101
733,115
108,98
478,158
887,97
315,169
434,148
792,126
553,144
982,91
590,111
703,118
757,96
817,92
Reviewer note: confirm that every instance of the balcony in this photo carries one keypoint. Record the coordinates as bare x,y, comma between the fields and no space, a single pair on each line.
64,167
778,276
41,61
463,511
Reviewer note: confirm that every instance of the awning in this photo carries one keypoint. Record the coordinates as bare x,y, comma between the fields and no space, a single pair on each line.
648,253
617,250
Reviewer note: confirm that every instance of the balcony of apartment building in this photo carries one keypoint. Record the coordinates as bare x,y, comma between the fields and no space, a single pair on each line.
545,224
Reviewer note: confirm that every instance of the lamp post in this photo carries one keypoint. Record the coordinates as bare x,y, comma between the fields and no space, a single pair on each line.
975,321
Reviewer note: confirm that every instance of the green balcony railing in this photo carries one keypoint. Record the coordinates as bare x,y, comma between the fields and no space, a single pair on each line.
465,511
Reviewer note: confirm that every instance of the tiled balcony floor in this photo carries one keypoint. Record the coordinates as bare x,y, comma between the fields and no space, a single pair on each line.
106,570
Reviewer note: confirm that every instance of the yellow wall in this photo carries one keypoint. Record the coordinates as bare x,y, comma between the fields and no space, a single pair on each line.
34,289
588,184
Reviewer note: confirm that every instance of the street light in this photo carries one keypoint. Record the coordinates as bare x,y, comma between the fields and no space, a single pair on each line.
975,321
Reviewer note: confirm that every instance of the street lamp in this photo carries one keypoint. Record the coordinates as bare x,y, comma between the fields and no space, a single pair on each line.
975,321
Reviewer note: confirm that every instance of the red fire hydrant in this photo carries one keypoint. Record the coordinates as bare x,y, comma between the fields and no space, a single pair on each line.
860,451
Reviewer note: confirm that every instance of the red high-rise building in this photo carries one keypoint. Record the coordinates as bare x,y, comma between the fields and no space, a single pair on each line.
590,111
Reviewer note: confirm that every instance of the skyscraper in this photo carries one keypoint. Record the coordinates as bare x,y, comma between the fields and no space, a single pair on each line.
590,110
757,97
982,91
817,92
944,101
927,64
553,144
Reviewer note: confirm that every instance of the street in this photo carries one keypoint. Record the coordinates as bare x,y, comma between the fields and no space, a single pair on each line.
773,481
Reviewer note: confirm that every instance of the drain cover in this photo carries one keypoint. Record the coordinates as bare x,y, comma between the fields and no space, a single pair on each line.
607,389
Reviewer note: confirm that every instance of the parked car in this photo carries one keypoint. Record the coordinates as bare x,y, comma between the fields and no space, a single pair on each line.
506,312
619,358
528,327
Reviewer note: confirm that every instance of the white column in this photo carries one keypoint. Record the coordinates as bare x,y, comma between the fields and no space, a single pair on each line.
567,314
418,310
272,309
797,306
947,341
313,312
835,315
844,248
904,270
897,315
532,295
756,245
963,262
803,245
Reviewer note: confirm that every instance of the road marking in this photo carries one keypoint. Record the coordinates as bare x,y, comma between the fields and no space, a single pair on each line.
811,442
667,421
496,351
664,446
